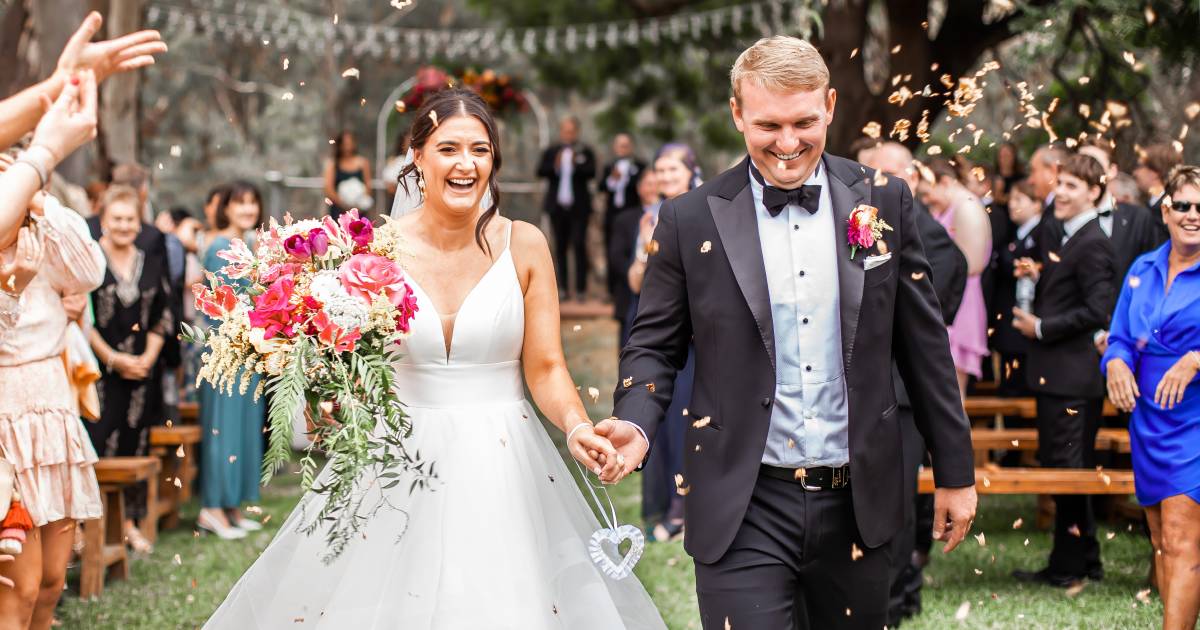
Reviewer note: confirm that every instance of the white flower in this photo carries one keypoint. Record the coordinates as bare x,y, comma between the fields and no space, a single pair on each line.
263,345
348,313
327,287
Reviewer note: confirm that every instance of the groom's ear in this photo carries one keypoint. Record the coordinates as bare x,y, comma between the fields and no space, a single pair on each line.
736,110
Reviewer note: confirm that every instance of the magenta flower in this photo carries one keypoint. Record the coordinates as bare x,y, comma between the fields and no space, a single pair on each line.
297,246
318,241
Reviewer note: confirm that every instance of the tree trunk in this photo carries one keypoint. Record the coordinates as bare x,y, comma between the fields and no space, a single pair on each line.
119,101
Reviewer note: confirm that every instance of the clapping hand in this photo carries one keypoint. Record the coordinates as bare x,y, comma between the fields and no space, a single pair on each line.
1122,386
1170,389
129,52
15,276
631,447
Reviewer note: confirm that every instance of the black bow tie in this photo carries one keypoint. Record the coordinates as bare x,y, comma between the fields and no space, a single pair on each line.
776,199
1106,212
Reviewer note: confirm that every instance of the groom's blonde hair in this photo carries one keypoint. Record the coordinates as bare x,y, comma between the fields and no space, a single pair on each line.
780,64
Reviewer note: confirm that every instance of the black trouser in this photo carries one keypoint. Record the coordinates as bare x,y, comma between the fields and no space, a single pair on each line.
907,577
1067,427
570,232
791,566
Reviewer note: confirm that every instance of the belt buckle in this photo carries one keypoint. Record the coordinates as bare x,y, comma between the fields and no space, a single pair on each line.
802,475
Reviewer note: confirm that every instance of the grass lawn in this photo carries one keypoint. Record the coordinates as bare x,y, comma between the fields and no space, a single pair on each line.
188,575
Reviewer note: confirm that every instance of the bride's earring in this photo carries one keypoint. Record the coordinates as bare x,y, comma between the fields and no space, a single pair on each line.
421,182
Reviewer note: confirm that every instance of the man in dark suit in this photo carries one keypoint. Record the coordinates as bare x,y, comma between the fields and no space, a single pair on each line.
793,466
948,273
1074,298
621,177
1154,164
568,167
1131,228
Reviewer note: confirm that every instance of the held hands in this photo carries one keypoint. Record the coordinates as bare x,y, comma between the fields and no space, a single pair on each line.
631,447
595,452
129,52
1170,389
1025,323
1122,386
15,276
953,507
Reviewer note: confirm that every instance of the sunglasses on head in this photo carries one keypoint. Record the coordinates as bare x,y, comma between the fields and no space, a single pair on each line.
1184,207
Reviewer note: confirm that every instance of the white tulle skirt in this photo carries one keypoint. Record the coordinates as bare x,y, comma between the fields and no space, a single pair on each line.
498,543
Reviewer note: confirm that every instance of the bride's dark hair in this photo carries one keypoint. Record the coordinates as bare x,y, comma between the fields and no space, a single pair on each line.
443,106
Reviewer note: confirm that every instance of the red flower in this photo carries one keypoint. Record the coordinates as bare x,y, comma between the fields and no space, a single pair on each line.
273,310
333,335
214,304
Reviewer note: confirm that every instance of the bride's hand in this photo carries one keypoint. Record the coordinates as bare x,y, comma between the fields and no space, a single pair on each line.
595,453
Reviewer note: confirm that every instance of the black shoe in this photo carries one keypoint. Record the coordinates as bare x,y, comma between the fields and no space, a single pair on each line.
1046,577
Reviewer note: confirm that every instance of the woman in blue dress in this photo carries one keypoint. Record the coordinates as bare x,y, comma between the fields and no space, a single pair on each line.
1152,363
232,450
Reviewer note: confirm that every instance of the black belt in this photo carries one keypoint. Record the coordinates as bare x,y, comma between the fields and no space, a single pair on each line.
812,479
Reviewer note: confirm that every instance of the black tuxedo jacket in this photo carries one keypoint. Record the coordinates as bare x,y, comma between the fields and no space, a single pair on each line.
708,281
1007,339
1134,233
1075,296
631,196
585,170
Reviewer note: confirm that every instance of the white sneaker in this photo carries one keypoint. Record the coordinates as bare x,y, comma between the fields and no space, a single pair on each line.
248,525
224,532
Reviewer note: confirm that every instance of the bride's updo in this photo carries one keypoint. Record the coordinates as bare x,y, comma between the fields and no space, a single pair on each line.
443,106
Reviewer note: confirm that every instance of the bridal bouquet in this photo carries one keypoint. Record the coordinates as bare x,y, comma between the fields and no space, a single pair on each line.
316,308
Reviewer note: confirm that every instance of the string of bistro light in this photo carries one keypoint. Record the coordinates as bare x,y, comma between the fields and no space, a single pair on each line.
290,29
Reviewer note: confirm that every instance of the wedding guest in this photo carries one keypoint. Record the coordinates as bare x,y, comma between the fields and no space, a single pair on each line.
948,274
1043,173
95,193
1074,297
1131,228
45,253
133,318
1008,171
347,176
1025,211
1124,189
623,248
1152,363
964,217
567,168
232,447
1153,164
677,172
621,197
212,201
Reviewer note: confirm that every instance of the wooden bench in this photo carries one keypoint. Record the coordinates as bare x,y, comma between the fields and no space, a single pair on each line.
175,447
103,539
1026,440
996,408
995,480
189,413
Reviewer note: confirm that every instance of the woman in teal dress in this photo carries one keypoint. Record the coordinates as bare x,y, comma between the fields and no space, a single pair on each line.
232,450
1153,369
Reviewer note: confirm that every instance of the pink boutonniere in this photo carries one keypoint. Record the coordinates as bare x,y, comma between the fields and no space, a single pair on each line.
864,227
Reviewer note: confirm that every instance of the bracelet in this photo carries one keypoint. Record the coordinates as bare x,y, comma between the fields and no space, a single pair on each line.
571,433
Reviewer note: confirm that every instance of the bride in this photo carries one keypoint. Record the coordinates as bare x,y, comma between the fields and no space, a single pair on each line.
499,541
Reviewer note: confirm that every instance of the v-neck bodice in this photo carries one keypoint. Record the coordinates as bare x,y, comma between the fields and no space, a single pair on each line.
483,363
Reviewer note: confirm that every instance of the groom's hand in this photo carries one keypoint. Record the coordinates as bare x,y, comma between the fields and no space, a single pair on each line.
953,511
630,444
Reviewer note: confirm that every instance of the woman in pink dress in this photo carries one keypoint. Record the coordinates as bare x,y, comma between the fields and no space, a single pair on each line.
966,221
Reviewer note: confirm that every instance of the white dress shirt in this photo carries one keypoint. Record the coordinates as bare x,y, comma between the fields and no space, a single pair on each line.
810,417
566,173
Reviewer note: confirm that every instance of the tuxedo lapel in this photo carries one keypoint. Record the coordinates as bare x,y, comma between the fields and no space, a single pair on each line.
738,227
847,191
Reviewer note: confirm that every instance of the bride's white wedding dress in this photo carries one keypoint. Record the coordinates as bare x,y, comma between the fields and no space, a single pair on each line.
498,542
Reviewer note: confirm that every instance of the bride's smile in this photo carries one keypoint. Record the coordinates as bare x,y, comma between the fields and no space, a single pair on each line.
459,166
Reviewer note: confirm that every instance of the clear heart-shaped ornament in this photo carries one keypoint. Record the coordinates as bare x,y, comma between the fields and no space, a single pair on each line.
620,567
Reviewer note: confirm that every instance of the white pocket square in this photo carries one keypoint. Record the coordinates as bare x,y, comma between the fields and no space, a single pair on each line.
871,262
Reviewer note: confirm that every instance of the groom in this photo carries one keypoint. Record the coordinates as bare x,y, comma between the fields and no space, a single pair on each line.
793,460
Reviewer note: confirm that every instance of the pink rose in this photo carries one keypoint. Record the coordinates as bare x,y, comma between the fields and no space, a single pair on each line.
272,310
369,275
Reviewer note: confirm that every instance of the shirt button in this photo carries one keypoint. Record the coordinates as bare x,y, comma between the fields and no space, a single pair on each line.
766,402
801,273
796,227
808,368
805,320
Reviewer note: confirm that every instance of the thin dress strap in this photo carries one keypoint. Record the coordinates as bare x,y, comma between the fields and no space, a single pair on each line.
508,237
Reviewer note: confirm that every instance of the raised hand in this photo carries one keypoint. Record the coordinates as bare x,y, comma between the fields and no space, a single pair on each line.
953,512
628,442
125,53
15,276
70,121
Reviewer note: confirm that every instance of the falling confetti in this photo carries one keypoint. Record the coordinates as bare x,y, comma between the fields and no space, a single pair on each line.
594,394
855,552
628,382
433,117
706,247
350,73
702,422
981,539
963,610
1018,523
